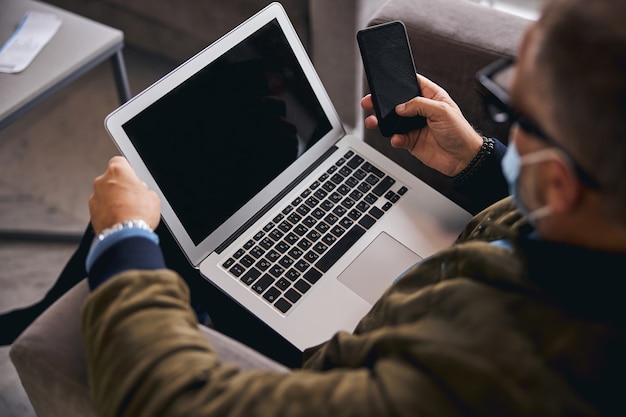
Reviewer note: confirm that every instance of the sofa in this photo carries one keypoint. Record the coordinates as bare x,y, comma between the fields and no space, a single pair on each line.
451,40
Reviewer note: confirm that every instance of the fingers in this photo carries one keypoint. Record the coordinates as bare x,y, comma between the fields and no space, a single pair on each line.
119,195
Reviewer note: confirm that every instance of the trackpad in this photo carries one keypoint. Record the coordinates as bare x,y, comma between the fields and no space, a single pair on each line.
375,269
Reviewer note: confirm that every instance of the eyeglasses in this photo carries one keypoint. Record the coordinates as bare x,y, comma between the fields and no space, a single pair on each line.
494,81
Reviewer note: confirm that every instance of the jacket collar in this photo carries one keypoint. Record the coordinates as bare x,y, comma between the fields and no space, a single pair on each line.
585,282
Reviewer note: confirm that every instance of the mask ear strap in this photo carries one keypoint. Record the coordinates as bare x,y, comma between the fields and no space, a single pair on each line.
540,156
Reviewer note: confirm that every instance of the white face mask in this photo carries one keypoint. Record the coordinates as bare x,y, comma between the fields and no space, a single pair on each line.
511,168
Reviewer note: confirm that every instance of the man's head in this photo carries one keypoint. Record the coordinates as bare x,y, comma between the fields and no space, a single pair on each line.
571,82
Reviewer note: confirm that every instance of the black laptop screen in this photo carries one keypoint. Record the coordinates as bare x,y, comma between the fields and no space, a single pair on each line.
217,139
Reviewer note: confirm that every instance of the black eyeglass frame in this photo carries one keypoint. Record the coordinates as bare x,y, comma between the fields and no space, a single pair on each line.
497,102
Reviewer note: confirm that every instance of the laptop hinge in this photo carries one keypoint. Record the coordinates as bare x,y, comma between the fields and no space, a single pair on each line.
274,201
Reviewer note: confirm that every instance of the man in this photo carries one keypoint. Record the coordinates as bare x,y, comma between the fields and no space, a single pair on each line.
522,316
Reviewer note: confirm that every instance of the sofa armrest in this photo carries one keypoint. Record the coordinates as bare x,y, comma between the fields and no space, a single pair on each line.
50,359
451,40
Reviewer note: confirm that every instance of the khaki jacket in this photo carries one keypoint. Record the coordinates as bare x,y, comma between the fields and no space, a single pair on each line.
473,330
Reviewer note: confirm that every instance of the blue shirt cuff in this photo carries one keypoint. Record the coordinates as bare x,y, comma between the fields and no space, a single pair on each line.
123,250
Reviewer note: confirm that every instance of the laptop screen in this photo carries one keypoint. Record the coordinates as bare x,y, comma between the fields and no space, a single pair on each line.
220,137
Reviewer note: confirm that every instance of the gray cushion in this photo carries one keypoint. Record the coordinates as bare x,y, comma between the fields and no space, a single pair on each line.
50,361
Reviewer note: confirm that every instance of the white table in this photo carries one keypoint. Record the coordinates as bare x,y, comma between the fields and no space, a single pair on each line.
79,45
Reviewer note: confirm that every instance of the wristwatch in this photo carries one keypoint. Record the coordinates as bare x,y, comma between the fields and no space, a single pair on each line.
128,224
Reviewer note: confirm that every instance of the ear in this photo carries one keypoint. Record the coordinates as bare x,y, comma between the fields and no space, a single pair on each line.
562,188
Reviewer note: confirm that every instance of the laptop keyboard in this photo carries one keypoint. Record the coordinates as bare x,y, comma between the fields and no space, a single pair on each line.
289,255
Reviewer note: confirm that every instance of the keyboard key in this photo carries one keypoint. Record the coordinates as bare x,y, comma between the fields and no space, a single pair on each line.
292,275
360,174
285,262
296,253
376,212
272,256
348,202
345,171
250,276
323,227
372,179
302,286
247,261
285,226
237,270
282,247
343,189
364,187
303,209
337,179
363,206
329,239
257,252
262,284
276,271
371,168
304,244
291,238
309,221
383,186
331,219
292,295
354,214
239,253
302,265
318,213
300,230
276,234
294,218
341,247
370,198
313,235
335,197
283,305
263,264
355,162
326,205
346,223
266,243
283,284
337,231
367,221
311,256
229,262
272,294
329,186
320,194
320,248
313,275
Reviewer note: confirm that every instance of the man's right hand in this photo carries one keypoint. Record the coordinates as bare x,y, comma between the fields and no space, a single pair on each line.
448,143
119,195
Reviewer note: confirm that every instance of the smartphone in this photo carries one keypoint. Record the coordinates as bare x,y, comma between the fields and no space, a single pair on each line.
391,75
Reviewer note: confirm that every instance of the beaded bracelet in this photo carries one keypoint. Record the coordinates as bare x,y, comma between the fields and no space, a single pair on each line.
479,159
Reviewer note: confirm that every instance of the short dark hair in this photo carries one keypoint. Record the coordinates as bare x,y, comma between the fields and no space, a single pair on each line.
582,53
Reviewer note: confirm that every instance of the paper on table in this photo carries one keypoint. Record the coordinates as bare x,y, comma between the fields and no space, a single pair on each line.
32,34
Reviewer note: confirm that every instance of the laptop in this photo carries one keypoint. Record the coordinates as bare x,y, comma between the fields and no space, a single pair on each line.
268,197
